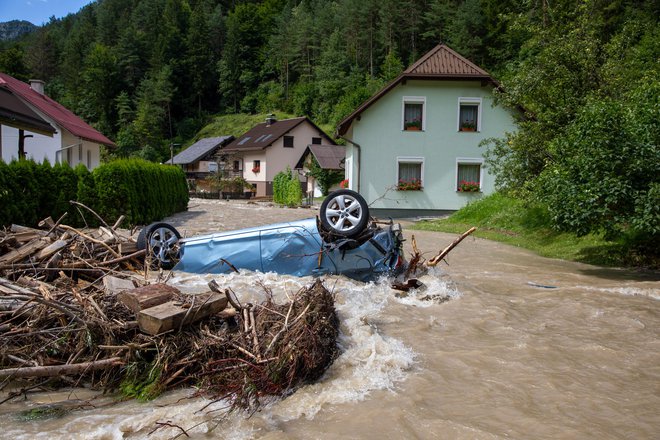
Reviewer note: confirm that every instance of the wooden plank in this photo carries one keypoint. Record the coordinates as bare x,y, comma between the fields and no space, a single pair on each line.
26,236
128,247
24,251
172,315
52,249
147,296
114,285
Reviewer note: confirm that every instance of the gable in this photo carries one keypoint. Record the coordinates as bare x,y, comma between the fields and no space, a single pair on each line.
439,64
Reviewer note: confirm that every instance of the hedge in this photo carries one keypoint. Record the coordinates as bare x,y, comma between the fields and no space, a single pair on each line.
142,191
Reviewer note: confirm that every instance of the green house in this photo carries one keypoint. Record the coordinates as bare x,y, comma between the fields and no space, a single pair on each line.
413,147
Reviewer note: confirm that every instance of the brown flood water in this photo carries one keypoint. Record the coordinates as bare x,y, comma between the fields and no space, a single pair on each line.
526,347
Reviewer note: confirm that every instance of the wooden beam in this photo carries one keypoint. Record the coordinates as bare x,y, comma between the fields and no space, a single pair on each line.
144,297
172,315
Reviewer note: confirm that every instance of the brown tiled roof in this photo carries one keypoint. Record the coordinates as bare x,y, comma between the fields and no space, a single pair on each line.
263,135
56,111
329,157
445,62
440,63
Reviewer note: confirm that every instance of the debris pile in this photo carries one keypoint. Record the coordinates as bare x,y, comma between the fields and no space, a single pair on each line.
73,313
43,254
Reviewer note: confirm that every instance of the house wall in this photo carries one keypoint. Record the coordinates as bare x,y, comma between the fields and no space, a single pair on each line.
382,140
40,147
276,158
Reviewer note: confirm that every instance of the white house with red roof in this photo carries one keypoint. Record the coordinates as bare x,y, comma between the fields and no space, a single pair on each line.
71,141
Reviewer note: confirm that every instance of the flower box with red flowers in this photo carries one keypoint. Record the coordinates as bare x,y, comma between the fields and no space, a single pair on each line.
409,185
468,186
256,170
343,184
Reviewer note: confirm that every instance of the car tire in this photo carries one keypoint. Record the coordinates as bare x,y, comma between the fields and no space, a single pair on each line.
344,213
162,242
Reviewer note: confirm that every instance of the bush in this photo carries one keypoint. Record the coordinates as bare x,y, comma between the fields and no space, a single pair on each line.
142,191
286,189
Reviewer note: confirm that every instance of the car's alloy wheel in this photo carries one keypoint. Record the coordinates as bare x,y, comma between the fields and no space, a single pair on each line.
162,242
344,212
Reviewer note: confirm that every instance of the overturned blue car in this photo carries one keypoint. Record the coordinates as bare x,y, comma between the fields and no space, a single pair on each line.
344,240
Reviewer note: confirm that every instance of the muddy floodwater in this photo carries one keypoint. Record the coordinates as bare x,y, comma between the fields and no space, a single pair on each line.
524,348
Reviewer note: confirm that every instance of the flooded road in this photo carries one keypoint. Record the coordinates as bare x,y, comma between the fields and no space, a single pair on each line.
525,347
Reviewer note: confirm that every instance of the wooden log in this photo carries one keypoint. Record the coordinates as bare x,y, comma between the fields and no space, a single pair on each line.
52,249
25,236
57,370
48,222
172,315
435,260
24,251
17,229
115,285
144,297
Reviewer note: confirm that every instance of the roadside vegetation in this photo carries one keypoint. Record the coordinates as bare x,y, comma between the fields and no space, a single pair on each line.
512,221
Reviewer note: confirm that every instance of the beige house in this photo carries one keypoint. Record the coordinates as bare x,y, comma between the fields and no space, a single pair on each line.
269,148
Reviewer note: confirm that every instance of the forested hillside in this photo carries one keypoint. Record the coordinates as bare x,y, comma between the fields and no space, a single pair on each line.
148,73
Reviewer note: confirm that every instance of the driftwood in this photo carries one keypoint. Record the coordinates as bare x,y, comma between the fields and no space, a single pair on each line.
435,260
88,253
57,370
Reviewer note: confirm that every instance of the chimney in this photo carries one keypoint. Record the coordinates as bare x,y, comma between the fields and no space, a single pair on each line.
37,85
270,120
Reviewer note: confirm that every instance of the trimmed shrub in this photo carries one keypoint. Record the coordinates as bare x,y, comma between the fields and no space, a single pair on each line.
142,191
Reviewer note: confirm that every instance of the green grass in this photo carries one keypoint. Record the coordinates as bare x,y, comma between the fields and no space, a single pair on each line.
514,222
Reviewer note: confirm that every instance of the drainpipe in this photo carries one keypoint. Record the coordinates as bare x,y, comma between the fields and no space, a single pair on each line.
359,163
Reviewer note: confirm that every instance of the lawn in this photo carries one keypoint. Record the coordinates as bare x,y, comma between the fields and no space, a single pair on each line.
514,222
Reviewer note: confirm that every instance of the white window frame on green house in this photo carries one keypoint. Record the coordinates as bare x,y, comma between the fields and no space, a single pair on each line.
469,161
468,102
410,160
413,100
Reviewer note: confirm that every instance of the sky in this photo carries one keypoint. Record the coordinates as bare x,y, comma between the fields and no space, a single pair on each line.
38,11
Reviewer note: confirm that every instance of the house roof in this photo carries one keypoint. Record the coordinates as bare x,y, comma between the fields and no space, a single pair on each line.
440,63
15,113
54,110
329,157
200,149
263,135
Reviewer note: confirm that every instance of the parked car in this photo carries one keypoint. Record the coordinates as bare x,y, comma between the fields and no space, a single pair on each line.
344,239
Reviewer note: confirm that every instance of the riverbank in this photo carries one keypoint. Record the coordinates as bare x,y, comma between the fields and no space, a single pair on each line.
512,222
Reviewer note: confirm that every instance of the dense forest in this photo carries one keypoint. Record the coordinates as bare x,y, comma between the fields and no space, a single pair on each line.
148,73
